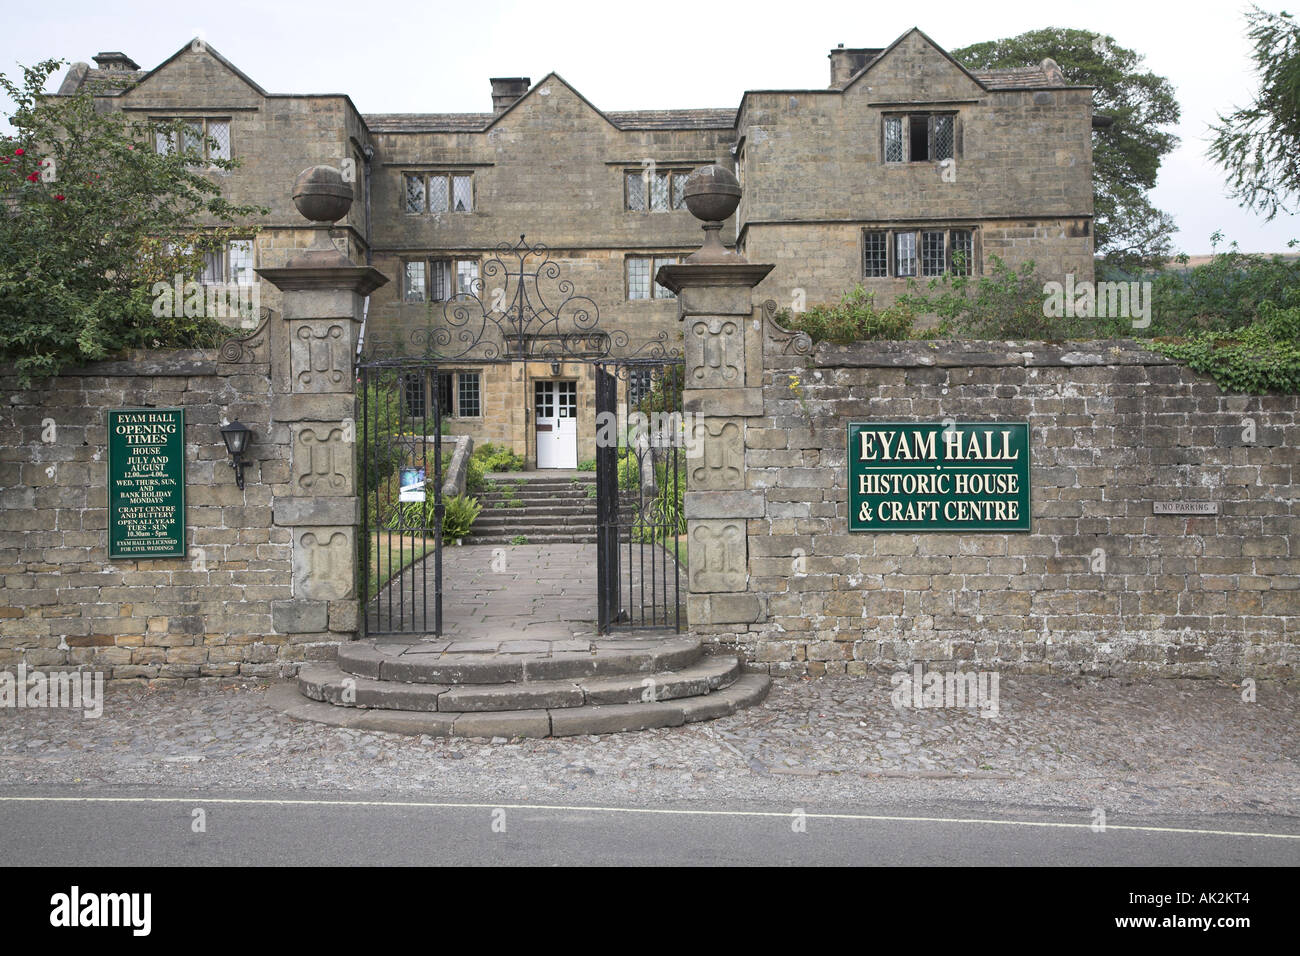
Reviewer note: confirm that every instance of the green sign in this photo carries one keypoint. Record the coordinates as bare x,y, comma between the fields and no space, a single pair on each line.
146,483
948,476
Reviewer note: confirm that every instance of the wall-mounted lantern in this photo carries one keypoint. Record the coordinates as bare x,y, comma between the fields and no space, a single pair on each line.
237,435
555,368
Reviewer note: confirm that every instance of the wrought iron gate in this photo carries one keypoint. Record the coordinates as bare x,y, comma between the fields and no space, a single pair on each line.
640,489
400,471
520,308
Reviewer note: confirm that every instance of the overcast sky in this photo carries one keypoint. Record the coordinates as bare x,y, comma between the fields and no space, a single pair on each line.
437,57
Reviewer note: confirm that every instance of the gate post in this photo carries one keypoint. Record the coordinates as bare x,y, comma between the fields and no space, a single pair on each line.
315,384
723,388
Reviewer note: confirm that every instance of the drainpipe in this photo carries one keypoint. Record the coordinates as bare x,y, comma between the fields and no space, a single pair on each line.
367,154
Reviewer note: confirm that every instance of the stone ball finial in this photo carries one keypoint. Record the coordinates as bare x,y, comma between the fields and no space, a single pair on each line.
321,195
712,193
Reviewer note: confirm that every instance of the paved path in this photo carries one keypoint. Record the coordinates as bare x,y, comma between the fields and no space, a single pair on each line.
533,591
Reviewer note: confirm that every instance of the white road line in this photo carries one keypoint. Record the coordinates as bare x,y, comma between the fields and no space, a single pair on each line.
417,805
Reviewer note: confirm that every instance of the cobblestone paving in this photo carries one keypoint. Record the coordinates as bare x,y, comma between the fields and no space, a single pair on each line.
1165,746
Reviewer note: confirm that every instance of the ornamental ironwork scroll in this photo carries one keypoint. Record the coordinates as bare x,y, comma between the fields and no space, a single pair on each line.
520,307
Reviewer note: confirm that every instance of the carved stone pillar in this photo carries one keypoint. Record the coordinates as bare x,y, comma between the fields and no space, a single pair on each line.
723,345
323,295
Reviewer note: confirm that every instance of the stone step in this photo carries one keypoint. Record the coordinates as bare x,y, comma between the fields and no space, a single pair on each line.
536,494
537,514
334,686
747,691
509,539
479,662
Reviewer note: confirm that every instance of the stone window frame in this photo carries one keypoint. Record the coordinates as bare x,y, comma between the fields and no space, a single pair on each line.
204,136
890,232
221,257
905,118
676,188
657,291
449,177
449,267
415,392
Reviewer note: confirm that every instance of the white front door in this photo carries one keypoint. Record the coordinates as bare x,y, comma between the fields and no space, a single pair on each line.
555,413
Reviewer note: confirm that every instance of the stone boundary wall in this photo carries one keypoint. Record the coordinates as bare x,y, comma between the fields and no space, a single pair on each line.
1113,428
225,609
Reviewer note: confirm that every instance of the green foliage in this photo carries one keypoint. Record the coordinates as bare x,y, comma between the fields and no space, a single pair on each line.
378,456
1261,357
94,218
498,458
1259,145
519,539
1126,156
588,464
475,471
854,319
1226,293
1003,303
665,514
629,470
665,393
458,515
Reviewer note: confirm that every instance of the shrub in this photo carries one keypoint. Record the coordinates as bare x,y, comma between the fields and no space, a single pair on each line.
90,244
587,465
1004,303
629,470
458,515
497,458
854,319
1262,357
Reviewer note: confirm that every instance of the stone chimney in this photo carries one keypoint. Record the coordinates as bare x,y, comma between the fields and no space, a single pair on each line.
506,90
115,62
846,63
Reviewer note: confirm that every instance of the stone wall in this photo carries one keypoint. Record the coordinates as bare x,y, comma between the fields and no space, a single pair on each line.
208,614
1113,429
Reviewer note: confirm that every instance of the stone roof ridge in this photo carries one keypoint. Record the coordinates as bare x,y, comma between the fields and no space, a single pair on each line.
708,118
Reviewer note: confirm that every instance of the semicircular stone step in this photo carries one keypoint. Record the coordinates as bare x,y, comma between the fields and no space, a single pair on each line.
331,685
747,690
448,661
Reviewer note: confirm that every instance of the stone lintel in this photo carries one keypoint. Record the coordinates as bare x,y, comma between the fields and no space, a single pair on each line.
736,609
299,617
313,408
361,280
724,504
724,402
307,304
714,300
686,275
311,512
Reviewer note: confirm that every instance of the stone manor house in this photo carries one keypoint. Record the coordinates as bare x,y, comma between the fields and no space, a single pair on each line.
907,165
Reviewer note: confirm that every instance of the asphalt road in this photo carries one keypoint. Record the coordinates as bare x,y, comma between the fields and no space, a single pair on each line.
132,827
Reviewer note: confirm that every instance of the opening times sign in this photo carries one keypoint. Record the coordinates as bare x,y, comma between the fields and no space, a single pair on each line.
954,476
146,483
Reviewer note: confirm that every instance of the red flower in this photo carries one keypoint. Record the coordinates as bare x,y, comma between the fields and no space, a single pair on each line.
33,177
19,151
59,197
